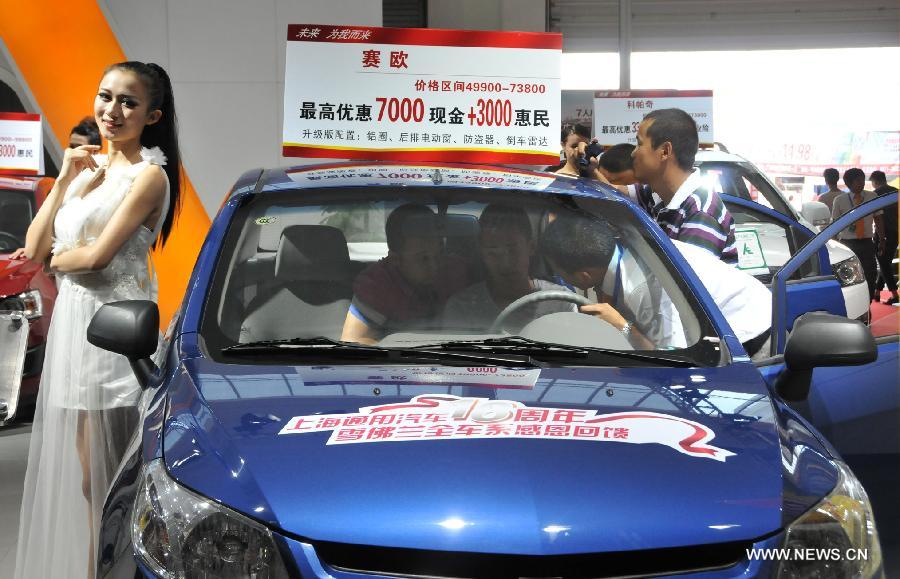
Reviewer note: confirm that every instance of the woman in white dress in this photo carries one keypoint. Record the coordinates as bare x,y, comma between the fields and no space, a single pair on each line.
96,227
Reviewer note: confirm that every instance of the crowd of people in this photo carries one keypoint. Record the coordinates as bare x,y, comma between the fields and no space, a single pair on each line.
874,239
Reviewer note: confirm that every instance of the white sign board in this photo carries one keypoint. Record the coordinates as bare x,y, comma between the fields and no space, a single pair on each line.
354,92
617,114
21,144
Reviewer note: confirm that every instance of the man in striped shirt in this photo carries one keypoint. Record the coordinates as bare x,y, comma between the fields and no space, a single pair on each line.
667,143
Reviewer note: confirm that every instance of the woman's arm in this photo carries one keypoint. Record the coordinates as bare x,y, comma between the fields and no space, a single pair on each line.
39,238
143,201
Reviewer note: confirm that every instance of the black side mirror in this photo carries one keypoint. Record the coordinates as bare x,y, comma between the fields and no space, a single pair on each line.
130,328
820,340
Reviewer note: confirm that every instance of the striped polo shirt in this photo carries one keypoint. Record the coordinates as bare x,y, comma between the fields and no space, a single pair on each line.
698,216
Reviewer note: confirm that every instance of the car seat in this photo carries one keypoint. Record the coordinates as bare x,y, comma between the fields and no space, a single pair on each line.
311,292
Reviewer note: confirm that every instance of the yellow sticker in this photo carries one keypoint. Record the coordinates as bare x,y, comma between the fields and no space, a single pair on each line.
266,220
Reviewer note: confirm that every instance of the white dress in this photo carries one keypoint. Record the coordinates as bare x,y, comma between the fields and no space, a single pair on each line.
87,404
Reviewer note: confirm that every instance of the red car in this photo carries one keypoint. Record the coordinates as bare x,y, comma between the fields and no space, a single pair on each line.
24,285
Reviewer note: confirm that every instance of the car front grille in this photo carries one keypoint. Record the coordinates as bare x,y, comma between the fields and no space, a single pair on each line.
445,564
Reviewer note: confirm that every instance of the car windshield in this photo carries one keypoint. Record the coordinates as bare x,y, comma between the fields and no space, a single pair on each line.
15,216
462,269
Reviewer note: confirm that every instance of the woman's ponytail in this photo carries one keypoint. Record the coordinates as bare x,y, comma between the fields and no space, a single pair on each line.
162,134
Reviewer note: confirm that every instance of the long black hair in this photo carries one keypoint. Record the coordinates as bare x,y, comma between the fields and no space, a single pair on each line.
162,134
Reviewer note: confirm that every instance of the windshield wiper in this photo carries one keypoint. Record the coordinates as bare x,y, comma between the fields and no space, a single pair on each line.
520,344
328,347
319,344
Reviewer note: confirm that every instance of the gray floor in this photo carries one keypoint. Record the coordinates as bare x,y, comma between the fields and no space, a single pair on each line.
13,457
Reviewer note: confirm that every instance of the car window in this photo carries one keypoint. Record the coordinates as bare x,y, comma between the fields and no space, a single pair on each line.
297,266
777,240
15,216
745,181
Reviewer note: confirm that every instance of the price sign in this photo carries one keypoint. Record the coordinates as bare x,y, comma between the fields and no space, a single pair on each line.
21,144
617,114
421,95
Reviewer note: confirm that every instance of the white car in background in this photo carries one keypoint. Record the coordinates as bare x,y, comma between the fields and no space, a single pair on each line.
736,176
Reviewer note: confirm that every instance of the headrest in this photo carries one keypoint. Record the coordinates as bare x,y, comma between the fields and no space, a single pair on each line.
312,253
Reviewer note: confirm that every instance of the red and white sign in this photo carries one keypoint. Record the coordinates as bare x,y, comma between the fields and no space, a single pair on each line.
410,94
447,417
618,113
21,144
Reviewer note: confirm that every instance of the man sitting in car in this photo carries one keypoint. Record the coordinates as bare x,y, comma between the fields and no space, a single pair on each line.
506,247
585,253
408,288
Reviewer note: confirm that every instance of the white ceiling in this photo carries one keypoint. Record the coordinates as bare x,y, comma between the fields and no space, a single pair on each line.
660,25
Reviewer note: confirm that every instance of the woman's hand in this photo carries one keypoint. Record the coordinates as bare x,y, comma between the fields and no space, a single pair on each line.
77,159
18,254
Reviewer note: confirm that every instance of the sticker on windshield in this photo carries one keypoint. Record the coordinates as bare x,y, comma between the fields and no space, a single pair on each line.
447,417
266,220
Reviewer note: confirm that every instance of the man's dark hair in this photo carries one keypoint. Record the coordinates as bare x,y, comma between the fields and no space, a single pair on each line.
878,176
678,128
851,175
577,242
577,129
412,219
617,158
88,128
496,216
831,176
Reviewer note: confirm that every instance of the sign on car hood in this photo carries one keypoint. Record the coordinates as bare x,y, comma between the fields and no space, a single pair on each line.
554,462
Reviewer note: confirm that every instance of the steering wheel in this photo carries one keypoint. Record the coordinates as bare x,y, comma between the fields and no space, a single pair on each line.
16,242
533,298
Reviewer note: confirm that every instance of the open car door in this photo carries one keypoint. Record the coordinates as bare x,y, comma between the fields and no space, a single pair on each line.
857,408
767,240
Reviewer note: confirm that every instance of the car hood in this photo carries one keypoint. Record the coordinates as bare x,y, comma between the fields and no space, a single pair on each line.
15,274
666,457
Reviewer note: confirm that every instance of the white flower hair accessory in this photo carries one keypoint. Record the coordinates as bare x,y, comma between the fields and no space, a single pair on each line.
154,155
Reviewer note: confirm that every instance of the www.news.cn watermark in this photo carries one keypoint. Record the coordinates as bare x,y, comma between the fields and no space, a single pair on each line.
808,554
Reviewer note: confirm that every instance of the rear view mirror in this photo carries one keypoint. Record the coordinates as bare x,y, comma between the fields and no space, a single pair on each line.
820,340
816,213
129,328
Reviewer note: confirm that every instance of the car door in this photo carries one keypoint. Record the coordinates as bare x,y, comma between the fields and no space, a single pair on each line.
812,286
857,408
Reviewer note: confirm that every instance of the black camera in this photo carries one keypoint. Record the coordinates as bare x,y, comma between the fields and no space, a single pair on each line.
592,150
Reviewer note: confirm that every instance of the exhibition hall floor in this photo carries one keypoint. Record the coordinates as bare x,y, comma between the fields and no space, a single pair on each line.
13,458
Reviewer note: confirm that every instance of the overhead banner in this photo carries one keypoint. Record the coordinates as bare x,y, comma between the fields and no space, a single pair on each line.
21,144
411,94
618,113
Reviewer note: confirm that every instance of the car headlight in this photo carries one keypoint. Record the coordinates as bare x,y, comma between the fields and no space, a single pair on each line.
28,302
849,271
839,532
178,533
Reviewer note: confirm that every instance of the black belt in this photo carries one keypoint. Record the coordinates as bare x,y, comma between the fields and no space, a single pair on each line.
754,344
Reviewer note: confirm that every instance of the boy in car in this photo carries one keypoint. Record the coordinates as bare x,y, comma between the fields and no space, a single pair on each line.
408,288
585,253
506,247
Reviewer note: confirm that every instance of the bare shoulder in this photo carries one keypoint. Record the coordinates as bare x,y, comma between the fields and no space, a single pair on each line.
150,182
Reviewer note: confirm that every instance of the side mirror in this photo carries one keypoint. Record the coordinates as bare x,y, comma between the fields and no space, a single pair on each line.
129,328
820,340
816,213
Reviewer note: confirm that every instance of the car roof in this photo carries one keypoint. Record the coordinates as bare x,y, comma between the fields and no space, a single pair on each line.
416,174
706,156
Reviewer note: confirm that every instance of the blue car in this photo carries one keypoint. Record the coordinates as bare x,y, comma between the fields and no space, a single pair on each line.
461,434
